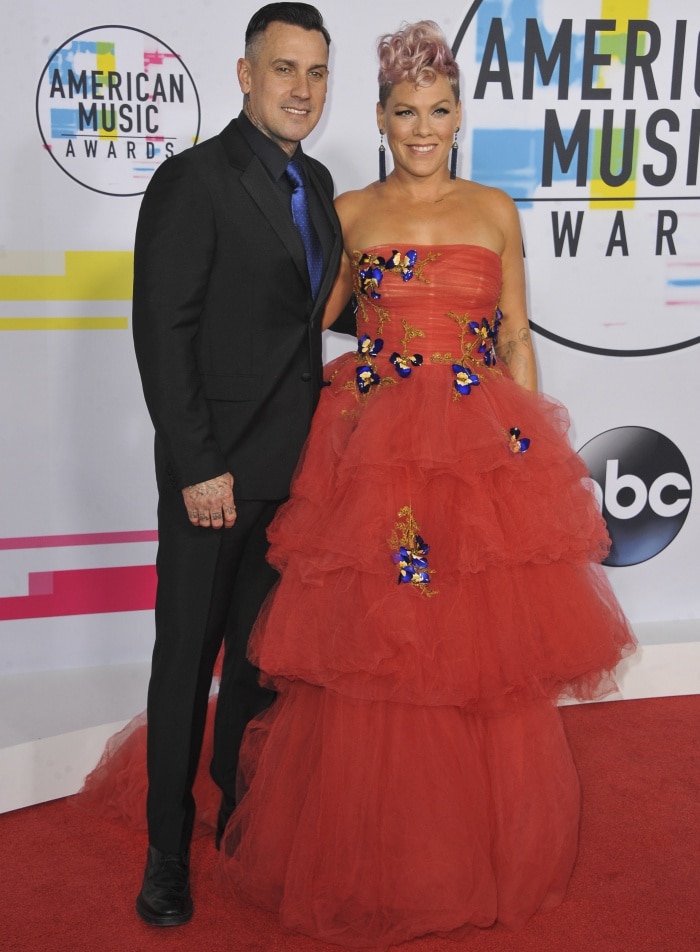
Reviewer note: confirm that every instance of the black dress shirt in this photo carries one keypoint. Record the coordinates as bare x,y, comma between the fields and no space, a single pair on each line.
275,161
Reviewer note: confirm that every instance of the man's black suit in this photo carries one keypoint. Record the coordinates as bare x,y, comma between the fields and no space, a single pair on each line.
228,342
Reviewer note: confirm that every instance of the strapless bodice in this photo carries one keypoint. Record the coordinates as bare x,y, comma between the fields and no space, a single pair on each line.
435,302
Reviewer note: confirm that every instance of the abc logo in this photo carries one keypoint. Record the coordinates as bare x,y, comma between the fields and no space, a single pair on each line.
642,483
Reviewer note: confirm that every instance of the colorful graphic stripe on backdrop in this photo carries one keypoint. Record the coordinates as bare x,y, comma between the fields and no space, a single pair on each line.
75,290
83,591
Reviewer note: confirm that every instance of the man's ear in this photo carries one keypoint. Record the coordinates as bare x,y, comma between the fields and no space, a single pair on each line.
243,71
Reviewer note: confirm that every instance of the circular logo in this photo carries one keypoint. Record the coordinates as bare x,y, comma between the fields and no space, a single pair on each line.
112,103
590,124
643,486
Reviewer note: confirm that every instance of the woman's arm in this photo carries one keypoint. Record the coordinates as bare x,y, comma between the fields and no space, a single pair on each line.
514,346
346,206
340,293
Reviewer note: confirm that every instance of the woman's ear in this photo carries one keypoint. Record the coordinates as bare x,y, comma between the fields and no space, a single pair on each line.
380,118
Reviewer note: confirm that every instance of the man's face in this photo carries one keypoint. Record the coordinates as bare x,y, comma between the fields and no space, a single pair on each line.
285,80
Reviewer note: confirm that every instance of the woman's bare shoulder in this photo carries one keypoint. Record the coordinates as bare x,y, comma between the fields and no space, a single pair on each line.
487,193
496,204
356,198
353,207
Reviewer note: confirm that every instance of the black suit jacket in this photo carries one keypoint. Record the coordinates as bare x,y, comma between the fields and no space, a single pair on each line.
227,336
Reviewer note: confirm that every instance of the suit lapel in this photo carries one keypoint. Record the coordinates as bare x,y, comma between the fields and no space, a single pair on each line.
257,183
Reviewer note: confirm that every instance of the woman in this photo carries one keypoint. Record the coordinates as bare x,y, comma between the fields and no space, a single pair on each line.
440,582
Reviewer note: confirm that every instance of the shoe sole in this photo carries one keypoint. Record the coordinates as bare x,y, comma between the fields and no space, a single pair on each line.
155,920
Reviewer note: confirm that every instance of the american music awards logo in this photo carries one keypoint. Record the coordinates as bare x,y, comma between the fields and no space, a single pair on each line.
587,112
112,103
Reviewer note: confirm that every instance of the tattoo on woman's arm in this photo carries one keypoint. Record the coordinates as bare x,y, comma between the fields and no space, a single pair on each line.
506,350
524,336
515,354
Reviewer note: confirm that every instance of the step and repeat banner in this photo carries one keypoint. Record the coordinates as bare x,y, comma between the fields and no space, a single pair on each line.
587,112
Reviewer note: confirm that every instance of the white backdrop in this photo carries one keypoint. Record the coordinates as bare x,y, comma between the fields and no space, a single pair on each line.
77,506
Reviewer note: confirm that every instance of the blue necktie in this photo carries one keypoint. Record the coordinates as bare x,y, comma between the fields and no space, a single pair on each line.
302,219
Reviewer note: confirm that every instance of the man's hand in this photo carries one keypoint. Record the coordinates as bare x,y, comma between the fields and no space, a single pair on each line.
210,504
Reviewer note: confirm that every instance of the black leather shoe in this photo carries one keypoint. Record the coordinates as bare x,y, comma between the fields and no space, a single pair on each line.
165,898
225,810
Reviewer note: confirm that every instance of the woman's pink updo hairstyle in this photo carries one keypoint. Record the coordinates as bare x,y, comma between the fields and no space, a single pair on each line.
418,53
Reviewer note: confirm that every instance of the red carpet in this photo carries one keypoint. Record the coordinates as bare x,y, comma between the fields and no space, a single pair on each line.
68,882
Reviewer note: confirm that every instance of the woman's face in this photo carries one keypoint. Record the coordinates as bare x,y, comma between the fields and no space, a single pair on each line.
419,123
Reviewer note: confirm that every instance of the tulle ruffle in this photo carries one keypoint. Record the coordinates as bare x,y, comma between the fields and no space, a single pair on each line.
413,777
366,824
517,605
117,787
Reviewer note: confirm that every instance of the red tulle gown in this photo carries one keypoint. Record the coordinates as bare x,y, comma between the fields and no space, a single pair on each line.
440,588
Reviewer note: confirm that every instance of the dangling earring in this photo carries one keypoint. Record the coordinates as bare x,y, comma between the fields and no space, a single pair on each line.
382,157
453,156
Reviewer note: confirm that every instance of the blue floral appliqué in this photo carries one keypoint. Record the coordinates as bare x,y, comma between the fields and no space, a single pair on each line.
487,335
371,270
464,379
412,563
370,274
365,378
366,347
404,364
516,443
410,551
402,263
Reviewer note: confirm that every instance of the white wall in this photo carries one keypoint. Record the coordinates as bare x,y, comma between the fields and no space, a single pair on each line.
76,467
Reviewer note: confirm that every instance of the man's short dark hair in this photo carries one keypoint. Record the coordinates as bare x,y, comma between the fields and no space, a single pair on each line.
296,14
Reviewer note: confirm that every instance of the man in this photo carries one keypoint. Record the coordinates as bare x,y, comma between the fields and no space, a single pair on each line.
228,298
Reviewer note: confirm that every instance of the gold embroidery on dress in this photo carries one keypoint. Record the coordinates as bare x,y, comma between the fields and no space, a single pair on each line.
362,397
462,320
410,333
469,343
336,372
363,288
380,313
420,265
410,551
405,362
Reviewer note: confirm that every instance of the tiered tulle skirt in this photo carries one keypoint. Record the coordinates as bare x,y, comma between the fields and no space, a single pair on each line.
413,775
